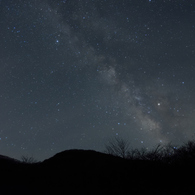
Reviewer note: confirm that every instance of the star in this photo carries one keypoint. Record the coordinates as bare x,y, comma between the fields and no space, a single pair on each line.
96,69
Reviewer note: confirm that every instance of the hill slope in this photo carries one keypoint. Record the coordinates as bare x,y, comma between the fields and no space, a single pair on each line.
91,172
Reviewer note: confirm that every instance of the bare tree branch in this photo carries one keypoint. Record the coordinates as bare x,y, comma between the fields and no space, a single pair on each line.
117,147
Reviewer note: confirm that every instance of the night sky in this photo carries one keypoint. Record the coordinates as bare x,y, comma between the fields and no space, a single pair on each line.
77,73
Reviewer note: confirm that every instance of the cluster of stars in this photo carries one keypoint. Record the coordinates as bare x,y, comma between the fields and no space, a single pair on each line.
74,76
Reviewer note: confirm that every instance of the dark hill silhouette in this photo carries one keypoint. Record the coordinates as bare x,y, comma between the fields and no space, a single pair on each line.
91,172
7,160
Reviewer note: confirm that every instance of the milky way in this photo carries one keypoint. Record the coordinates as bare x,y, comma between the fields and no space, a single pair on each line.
75,74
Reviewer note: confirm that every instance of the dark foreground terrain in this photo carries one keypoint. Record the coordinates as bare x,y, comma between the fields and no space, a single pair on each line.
90,172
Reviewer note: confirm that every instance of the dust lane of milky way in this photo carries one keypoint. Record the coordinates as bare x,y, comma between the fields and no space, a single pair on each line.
75,74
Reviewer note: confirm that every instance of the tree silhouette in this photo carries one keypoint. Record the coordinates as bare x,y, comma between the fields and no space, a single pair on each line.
117,147
29,160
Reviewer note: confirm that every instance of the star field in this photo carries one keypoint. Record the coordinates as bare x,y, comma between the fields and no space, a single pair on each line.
76,73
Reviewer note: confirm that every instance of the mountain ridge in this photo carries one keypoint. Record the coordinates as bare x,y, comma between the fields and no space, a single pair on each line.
92,172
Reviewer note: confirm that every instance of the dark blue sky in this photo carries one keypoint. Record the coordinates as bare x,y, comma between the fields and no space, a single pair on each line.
75,74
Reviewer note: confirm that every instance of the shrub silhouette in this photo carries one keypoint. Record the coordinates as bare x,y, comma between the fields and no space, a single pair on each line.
117,147
165,169
29,160
168,154
184,154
